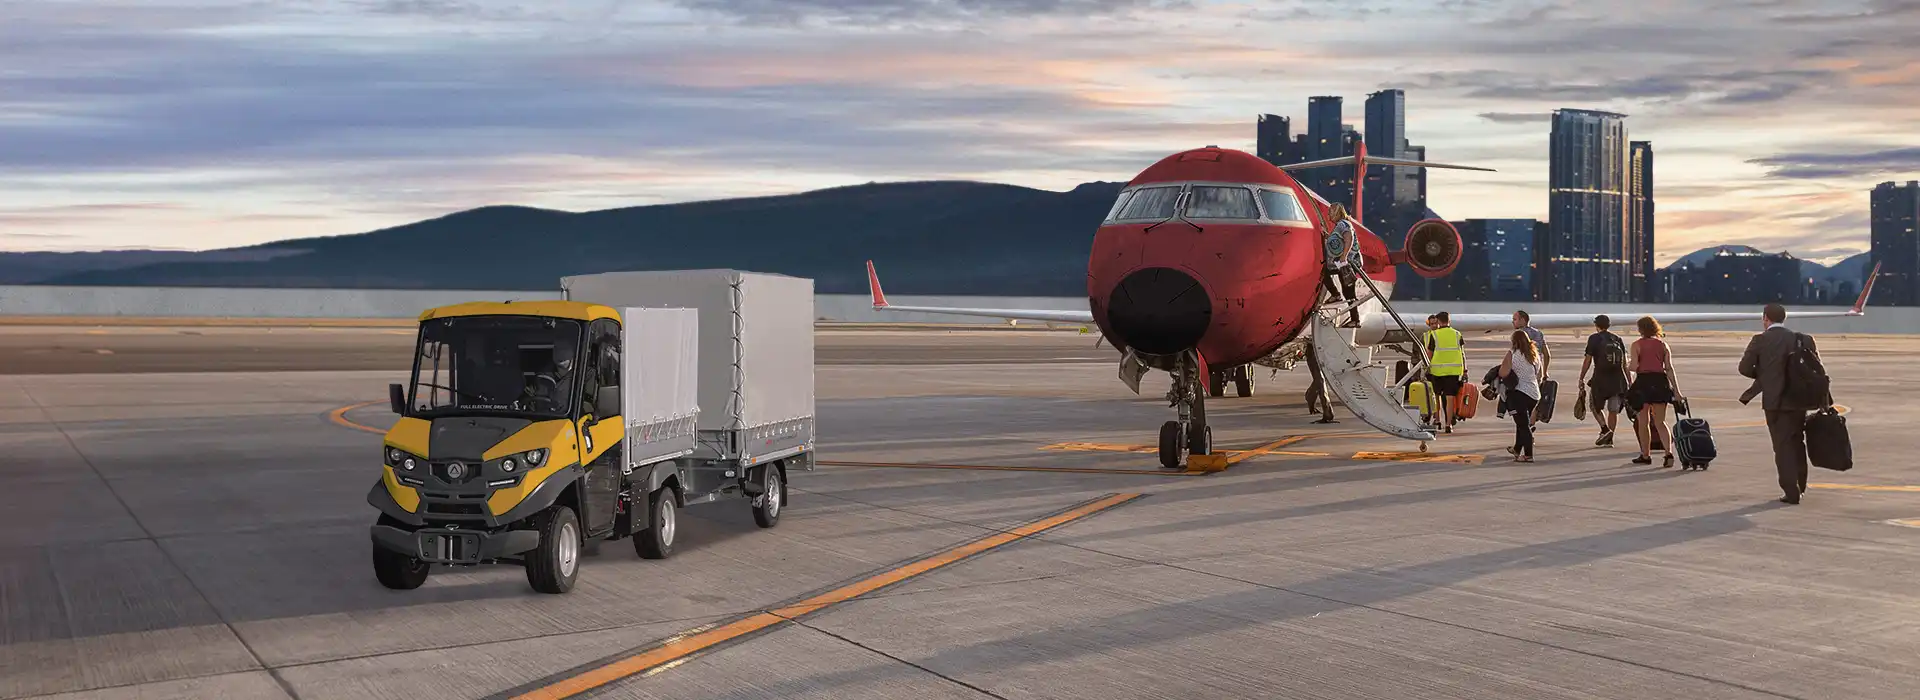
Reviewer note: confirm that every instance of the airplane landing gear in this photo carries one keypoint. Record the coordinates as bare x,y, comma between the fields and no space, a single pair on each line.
1189,433
1241,377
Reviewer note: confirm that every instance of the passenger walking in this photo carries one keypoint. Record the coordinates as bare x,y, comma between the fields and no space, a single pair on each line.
1446,367
1606,356
1655,386
1768,362
1524,323
1522,368
1317,399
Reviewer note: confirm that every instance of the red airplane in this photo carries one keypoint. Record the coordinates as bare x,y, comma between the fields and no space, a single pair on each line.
1213,260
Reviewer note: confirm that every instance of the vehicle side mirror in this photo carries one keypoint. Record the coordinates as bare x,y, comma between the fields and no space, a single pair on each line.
606,403
397,398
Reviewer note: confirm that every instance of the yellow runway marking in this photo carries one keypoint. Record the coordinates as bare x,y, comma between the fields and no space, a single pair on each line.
1865,487
339,418
1907,522
1265,449
1421,457
1232,455
678,649
1005,468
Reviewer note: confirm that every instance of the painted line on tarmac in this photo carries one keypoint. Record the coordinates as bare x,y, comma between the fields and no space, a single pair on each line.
339,417
1865,487
1904,522
1005,468
1150,449
681,648
1421,457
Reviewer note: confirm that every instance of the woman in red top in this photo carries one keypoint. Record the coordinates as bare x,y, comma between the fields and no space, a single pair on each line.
1655,386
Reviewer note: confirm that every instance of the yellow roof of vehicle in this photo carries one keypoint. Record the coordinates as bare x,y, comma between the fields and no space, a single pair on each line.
576,310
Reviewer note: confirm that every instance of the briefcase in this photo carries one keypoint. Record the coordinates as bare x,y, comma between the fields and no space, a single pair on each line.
1828,446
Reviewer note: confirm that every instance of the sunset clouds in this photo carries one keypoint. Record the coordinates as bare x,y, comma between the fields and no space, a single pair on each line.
176,124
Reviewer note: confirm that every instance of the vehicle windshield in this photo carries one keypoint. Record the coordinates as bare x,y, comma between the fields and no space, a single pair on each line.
1151,203
496,365
1281,206
1212,202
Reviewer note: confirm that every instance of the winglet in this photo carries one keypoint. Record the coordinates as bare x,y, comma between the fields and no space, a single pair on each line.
873,287
1860,306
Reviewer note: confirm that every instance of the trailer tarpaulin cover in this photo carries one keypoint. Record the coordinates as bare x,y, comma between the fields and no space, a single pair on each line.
658,396
755,339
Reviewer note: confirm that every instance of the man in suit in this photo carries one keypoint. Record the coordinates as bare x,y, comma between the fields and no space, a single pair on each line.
1765,362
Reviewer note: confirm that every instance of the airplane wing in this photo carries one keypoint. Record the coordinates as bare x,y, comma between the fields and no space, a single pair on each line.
1492,323
880,304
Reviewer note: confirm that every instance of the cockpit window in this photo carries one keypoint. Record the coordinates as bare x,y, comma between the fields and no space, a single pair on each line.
1114,213
1214,202
1282,206
1151,203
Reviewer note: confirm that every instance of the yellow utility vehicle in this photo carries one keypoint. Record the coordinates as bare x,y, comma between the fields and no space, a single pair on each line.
532,431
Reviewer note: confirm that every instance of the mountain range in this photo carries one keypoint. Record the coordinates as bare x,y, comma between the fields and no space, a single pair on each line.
942,237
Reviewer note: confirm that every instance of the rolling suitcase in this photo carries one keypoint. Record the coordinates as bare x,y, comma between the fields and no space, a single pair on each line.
1417,398
1828,446
1549,390
1693,442
1468,403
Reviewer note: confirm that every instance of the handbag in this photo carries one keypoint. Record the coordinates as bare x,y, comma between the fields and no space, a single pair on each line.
1580,405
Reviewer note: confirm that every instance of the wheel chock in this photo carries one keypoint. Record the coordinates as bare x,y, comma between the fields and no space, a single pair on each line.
1207,463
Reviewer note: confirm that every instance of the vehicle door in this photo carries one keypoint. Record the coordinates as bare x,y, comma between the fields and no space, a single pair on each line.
603,436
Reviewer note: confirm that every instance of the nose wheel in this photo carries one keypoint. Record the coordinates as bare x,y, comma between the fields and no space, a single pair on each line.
1189,433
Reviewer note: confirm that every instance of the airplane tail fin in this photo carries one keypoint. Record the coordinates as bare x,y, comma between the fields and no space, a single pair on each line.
1860,305
873,287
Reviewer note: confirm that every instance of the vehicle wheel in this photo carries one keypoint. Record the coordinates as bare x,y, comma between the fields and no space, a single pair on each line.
555,564
1243,384
656,542
399,571
1173,445
1201,442
766,509
1216,384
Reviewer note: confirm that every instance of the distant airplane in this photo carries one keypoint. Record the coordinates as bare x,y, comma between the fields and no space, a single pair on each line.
1213,260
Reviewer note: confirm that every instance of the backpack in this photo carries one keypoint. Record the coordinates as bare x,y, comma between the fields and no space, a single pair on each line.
1613,355
1807,381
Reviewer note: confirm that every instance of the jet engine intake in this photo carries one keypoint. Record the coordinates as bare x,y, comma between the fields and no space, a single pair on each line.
1433,248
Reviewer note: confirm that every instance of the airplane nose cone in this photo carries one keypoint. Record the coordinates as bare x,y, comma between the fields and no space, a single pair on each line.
1159,311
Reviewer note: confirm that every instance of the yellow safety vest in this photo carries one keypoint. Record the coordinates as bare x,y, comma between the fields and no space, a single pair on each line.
1448,358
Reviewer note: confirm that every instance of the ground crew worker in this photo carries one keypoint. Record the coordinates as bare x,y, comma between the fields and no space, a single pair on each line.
1446,366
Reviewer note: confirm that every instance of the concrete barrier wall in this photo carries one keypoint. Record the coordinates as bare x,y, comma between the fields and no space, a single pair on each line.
190,302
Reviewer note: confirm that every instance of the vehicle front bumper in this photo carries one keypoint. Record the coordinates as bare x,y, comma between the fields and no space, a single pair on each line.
454,545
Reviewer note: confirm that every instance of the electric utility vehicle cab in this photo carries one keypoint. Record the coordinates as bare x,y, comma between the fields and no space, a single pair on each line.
508,443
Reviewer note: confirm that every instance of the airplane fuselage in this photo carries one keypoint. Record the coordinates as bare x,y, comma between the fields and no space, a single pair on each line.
1234,283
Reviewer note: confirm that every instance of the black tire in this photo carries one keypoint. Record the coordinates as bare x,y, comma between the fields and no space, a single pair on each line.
1216,384
399,571
1243,384
663,523
766,512
1200,442
553,566
1173,445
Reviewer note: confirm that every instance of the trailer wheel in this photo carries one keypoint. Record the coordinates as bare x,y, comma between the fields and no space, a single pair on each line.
555,564
399,571
766,507
657,541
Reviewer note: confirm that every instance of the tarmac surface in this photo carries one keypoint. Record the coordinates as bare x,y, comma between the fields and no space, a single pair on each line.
186,518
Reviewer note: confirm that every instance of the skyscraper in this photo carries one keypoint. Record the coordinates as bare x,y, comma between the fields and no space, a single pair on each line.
1386,137
1585,256
1896,246
1496,263
1326,138
1274,142
1640,240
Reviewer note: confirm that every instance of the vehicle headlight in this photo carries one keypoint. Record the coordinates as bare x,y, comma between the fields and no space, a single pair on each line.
400,459
529,459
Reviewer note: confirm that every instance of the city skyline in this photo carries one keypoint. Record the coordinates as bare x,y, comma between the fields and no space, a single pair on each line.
202,124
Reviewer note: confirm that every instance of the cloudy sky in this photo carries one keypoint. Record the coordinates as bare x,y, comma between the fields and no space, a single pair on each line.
203,124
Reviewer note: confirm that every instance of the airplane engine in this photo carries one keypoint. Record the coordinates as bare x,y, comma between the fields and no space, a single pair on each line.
1433,248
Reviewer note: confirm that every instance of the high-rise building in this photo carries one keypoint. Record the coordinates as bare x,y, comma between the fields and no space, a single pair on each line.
1896,246
1584,257
1753,277
1496,260
1387,193
1640,239
1274,141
